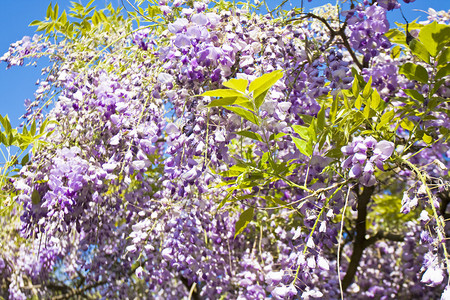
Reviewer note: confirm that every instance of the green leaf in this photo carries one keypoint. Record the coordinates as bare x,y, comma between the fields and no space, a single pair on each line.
264,83
427,139
89,3
419,50
414,94
6,124
259,100
444,57
264,159
444,71
274,137
375,100
414,72
11,138
434,36
275,200
234,171
313,130
222,93
437,85
367,112
244,219
3,139
396,36
249,116
321,118
245,103
237,84
385,119
252,135
333,110
305,147
35,23
222,101
55,12
302,131
334,153
396,51
358,102
33,128
49,11
407,124
25,160
368,89
355,86
35,197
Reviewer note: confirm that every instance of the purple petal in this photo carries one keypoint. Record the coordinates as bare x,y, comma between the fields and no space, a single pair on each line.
368,179
200,19
384,149
370,142
182,41
355,171
178,25
368,168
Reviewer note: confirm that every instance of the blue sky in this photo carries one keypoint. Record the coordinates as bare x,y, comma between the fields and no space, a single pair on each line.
18,83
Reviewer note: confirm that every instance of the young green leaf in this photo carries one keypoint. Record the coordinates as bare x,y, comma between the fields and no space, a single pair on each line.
252,135
420,50
274,137
414,94
302,131
259,100
244,219
375,100
407,124
434,36
25,160
247,115
396,51
385,119
444,71
265,81
414,72
444,57
334,107
35,197
321,119
33,128
222,93
262,84
222,101
237,84
396,36
427,139
305,147
368,89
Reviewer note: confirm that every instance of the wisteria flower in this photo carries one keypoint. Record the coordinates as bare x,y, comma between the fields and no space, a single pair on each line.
363,154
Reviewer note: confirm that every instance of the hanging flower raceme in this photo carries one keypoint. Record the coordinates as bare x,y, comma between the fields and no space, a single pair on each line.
363,154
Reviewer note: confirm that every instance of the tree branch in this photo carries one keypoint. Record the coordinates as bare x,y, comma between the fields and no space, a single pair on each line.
360,237
74,292
381,235
333,33
193,289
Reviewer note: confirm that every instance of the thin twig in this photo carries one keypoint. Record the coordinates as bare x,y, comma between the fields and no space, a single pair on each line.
339,244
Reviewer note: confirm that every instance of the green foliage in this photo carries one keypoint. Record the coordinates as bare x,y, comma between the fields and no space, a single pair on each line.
244,219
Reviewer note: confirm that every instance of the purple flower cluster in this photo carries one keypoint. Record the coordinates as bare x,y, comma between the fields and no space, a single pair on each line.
128,184
363,155
27,47
366,29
